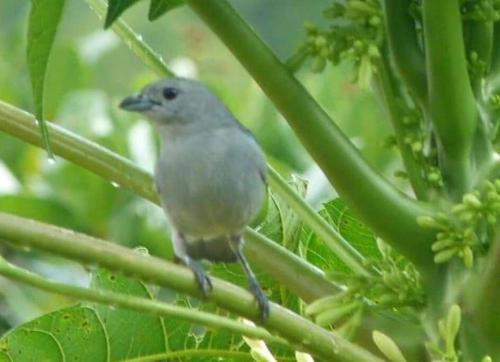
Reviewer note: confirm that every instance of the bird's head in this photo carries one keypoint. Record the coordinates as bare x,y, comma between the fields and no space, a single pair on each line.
177,101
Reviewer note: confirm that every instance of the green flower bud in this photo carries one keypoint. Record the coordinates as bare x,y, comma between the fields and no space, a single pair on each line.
445,255
320,41
429,222
388,347
333,315
322,304
318,64
472,201
453,322
416,146
468,257
442,244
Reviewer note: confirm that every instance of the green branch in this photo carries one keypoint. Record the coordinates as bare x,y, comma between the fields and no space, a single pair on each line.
414,170
20,231
276,260
403,43
388,212
495,56
479,41
145,53
193,353
483,293
451,103
135,303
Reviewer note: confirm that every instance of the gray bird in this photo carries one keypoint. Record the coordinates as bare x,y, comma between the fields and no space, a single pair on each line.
210,174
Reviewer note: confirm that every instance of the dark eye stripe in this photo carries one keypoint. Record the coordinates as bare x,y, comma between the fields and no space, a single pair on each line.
170,93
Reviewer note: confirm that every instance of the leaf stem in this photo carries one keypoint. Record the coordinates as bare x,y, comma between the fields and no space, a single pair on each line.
134,41
412,167
451,103
300,332
276,260
388,212
192,353
407,56
135,303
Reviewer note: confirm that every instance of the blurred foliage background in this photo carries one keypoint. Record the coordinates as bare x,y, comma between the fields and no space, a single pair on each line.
91,70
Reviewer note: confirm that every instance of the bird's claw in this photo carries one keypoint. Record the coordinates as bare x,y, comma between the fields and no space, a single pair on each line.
203,280
201,277
261,299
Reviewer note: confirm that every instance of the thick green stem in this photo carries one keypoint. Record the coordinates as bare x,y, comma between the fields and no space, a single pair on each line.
276,260
413,168
405,51
388,212
298,331
482,296
479,41
131,302
495,56
451,101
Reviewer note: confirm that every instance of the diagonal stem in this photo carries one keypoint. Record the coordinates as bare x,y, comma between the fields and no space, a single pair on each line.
135,303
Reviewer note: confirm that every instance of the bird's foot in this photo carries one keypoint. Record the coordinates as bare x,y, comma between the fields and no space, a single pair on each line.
261,299
201,277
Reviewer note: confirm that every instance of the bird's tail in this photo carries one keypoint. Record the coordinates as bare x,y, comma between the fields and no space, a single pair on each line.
215,250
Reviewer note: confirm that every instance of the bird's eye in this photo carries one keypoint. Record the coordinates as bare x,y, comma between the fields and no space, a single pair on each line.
170,93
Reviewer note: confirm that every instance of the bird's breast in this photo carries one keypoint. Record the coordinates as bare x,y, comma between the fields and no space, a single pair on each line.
210,183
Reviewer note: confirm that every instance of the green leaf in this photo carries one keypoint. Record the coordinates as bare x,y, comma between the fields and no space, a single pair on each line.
159,7
68,329
44,18
27,345
351,228
73,328
115,9
131,333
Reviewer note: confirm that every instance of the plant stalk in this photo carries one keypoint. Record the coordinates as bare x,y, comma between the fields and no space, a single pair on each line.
135,303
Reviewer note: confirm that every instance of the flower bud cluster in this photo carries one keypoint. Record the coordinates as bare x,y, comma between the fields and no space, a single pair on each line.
356,34
465,229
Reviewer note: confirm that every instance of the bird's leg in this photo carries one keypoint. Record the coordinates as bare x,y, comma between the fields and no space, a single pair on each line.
182,256
253,284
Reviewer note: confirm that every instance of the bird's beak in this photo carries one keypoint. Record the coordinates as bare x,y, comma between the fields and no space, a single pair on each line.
137,103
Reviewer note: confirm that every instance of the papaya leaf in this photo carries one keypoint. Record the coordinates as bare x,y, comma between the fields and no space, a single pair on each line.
115,9
44,19
350,227
159,7
131,333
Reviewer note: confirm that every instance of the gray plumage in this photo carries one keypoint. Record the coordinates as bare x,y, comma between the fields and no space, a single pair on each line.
210,174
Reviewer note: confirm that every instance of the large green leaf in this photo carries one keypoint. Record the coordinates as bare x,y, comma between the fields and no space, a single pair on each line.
44,19
115,9
28,345
131,333
159,7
